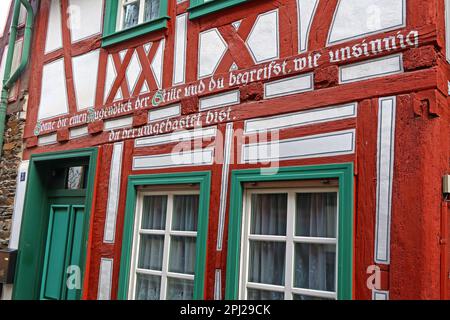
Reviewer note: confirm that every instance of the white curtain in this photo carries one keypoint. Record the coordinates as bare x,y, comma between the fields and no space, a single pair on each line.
266,258
151,10
315,263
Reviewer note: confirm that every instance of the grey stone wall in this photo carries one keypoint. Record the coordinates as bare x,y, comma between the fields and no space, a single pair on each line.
9,163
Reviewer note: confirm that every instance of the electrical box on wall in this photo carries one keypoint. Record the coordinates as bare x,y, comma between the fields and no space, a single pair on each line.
8,259
446,184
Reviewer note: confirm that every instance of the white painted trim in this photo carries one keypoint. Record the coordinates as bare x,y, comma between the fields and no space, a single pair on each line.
220,100
288,86
385,177
113,193
177,136
218,285
315,146
105,279
196,157
370,69
228,150
301,118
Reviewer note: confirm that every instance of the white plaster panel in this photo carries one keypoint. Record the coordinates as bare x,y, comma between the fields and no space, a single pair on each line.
53,94
54,27
371,69
306,10
47,139
133,71
288,86
19,200
301,118
105,279
358,18
123,122
212,48
157,64
85,70
177,136
322,145
263,39
385,168
86,17
181,159
113,193
78,132
220,100
164,113
180,49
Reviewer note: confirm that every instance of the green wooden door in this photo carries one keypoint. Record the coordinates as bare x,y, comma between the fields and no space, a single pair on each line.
61,277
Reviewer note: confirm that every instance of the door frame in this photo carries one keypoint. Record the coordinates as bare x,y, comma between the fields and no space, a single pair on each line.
33,231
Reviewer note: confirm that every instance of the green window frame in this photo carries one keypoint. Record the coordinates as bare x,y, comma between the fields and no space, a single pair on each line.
203,179
342,172
199,8
112,36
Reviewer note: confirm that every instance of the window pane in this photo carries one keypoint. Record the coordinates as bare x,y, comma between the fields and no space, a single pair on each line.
151,252
75,178
315,266
180,289
254,294
147,287
269,213
151,10
131,14
303,297
185,213
182,255
154,213
266,262
316,215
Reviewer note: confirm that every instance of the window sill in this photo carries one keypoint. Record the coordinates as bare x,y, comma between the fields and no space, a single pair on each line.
202,9
136,31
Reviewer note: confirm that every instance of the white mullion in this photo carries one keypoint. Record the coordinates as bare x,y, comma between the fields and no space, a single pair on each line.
191,234
183,276
141,11
152,232
149,272
289,260
315,293
315,240
257,237
265,286
165,266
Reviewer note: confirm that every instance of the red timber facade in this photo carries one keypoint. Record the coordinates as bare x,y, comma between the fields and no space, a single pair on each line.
302,142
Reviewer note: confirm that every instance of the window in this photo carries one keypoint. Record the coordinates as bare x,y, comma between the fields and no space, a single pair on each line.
165,246
126,19
289,247
290,233
200,8
134,12
165,234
